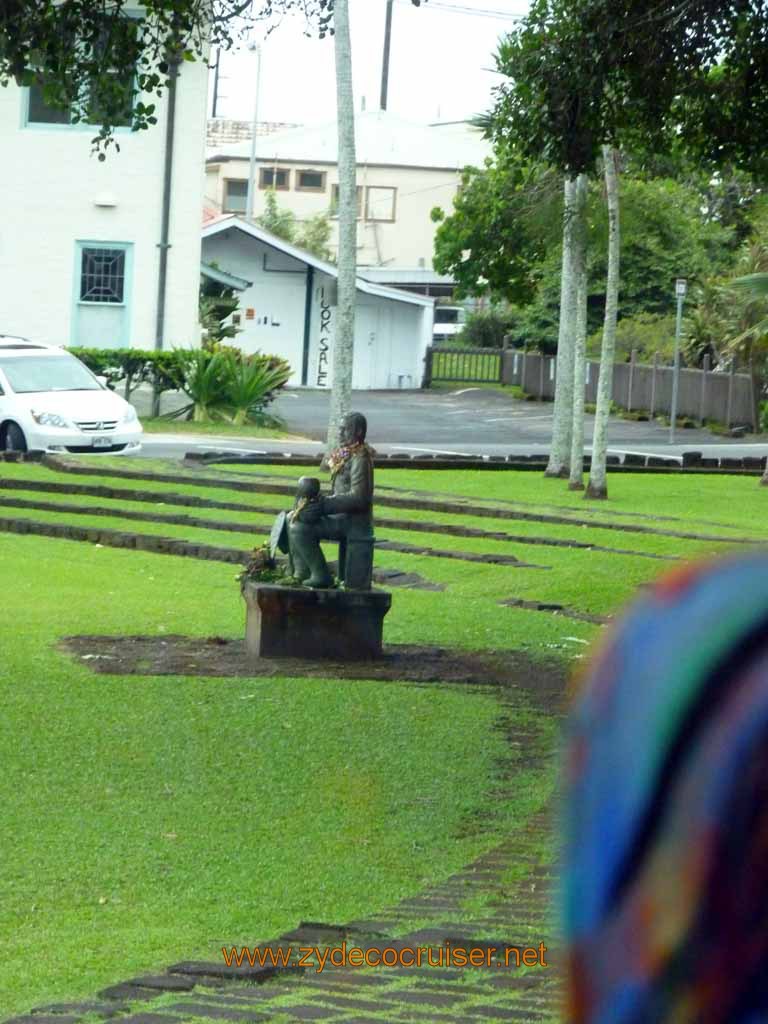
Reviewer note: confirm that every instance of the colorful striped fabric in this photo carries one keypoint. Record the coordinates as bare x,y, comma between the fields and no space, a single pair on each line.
666,808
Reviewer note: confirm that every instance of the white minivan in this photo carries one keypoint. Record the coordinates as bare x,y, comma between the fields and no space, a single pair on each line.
50,401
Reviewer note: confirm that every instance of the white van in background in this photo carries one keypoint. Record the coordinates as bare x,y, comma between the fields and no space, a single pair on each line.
449,321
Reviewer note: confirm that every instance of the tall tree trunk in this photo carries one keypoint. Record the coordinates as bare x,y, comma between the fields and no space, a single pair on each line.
562,421
598,484
576,477
343,350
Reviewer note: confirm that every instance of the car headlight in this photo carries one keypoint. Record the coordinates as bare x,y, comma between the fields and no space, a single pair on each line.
130,415
50,419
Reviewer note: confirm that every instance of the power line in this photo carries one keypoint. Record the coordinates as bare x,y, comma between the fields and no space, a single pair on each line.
480,12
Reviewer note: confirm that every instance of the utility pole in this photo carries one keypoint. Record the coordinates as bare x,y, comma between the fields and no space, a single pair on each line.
385,60
250,193
681,286
216,68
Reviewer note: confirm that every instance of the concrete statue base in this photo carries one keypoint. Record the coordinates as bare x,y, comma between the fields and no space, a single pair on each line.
297,622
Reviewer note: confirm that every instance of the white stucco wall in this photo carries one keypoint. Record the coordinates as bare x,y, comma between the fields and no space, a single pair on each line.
391,335
49,182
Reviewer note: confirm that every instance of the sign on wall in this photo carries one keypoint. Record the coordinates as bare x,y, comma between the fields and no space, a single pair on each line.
325,338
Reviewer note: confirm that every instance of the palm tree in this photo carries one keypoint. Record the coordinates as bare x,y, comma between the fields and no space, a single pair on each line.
579,262
562,419
343,351
598,485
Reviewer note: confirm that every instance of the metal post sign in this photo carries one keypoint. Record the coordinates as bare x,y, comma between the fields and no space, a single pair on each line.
681,286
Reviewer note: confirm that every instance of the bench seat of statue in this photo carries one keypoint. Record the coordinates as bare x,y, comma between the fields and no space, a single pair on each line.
298,622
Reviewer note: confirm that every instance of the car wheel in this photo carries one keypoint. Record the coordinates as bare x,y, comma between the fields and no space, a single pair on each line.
13,439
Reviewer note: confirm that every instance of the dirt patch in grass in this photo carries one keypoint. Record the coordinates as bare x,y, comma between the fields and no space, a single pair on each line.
176,655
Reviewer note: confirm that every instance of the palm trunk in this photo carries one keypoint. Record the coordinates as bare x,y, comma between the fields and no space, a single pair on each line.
576,477
343,352
562,421
598,484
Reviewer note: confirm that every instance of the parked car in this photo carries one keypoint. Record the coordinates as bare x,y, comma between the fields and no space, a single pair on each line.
49,400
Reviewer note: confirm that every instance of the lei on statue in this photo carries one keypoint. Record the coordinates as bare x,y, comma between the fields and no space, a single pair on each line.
339,457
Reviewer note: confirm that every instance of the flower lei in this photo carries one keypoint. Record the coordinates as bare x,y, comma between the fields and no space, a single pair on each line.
339,457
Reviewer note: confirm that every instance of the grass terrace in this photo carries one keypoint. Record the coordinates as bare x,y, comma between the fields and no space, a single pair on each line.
150,819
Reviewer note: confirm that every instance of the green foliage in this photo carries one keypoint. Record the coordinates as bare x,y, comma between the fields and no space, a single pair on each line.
220,382
504,218
72,50
216,304
313,234
251,384
678,77
485,328
202,375
279,221
668,231
646,333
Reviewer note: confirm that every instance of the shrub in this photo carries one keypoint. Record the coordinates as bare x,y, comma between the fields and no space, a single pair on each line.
221,382
251,383
485,328
645,332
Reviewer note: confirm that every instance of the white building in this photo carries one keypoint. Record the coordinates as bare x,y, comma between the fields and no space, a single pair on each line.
288,308
80,239
403,171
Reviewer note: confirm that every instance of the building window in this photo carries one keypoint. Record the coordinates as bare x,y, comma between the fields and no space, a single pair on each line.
102,275
380,203
310,181
235,195
110,95
335,201
278,178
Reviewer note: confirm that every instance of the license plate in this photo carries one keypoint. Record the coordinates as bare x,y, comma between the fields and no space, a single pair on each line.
102,442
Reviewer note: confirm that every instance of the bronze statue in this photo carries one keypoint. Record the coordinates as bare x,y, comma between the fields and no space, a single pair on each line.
346,515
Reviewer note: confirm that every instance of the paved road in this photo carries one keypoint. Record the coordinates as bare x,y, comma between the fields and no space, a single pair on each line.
466,421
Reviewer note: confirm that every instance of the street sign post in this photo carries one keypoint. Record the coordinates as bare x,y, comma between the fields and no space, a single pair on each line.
681,286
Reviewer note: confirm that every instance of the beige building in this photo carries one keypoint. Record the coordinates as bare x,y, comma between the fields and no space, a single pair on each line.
403,171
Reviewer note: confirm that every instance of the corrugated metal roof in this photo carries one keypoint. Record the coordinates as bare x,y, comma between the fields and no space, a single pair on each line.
381,139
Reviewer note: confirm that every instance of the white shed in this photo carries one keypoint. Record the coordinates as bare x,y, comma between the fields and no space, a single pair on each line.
288,309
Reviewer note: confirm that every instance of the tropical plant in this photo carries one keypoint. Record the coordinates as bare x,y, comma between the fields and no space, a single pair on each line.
251,383
203,376
216,304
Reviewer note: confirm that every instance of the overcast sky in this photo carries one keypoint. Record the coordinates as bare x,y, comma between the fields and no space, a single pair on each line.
441,57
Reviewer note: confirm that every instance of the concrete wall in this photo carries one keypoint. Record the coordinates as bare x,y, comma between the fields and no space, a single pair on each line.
407,242
391,335
52,188
702,394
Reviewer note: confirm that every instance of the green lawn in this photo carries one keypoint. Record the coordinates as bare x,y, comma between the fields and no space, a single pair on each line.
148,820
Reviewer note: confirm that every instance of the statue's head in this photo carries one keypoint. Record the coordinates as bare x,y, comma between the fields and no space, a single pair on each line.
308,487
353,428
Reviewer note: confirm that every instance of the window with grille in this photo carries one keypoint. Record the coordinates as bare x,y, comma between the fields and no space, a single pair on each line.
102,275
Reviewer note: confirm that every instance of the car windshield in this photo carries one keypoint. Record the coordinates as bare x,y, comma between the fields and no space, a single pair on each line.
28,374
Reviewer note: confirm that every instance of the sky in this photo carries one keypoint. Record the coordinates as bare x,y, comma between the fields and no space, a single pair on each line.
440,67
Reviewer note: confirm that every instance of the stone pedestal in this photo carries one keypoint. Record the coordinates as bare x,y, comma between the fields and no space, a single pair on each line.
296,622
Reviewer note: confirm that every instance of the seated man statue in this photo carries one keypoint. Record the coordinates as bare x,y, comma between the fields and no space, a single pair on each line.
346,516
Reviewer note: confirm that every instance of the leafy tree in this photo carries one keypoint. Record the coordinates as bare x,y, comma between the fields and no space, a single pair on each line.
313,234
279,221
505,217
